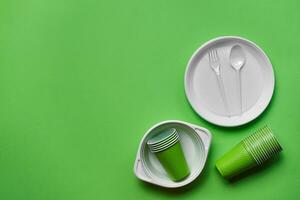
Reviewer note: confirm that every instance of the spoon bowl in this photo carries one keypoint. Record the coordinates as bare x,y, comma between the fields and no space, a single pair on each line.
237,57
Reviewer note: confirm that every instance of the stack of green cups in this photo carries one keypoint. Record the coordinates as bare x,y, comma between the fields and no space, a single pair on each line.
250,152
167,148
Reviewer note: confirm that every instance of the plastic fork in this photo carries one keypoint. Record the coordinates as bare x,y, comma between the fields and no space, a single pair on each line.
214,63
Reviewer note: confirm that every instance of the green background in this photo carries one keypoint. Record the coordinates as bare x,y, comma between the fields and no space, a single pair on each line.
82,80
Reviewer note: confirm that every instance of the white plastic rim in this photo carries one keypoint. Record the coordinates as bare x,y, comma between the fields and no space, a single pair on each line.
201,86
195,142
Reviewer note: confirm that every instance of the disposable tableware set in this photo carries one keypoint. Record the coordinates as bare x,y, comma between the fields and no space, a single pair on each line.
229,81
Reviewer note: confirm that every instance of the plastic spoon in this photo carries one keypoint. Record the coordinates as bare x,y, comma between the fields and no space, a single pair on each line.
237,60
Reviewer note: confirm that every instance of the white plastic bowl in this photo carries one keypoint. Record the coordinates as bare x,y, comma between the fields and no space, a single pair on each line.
195,142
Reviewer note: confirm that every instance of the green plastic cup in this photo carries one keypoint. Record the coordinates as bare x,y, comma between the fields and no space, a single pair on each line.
167,148
235,161
250,152
173,161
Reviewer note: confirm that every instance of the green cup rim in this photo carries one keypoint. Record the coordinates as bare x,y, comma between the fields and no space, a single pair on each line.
274,140
164,142
249,149
262,150
165,145
269,143
268,146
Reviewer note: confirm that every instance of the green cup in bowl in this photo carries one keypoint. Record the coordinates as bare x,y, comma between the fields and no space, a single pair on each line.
170,154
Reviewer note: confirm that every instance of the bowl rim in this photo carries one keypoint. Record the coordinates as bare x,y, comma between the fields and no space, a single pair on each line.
145,176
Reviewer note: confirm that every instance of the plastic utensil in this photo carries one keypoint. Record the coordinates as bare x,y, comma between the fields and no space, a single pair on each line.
257,84
237,60
214,63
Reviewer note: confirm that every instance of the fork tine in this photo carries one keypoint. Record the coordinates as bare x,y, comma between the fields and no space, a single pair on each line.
213,55
217,56
209,56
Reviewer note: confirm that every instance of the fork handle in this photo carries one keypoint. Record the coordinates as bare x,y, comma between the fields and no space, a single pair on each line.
223,95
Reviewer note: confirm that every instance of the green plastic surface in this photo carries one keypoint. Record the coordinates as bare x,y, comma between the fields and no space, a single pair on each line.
81,81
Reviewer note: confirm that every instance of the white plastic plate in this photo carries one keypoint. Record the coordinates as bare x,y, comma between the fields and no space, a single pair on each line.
257,82
195,142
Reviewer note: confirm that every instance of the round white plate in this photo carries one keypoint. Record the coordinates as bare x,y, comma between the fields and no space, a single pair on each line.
195,143
257,82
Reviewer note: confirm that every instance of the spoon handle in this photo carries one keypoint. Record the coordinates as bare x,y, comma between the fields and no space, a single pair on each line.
239,90
223,95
